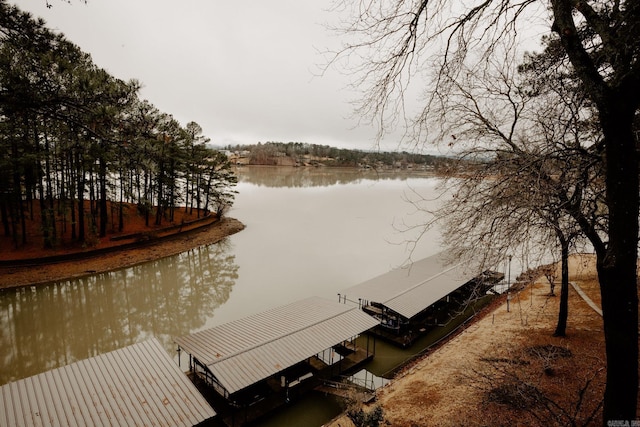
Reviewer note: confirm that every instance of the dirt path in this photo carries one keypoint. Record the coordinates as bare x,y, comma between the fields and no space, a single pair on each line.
33,275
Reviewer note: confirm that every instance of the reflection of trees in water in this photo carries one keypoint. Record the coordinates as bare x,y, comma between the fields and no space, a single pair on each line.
42,328
267,176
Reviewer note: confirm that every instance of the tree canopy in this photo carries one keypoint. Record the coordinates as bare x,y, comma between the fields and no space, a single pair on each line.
76,141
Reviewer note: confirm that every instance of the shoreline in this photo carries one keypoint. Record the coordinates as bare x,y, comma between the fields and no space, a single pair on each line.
456,382
32,275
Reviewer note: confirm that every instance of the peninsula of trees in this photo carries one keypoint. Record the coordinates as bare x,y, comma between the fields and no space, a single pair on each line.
79,148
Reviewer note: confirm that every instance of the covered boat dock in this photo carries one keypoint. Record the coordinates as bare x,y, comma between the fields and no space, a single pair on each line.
138,385
262,361
406,301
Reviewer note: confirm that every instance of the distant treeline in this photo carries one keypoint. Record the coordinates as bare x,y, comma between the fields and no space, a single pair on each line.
301,153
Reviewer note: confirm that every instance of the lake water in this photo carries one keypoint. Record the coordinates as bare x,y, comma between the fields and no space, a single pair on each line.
309,231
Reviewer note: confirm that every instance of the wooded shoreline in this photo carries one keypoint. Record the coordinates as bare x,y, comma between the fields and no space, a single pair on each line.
127,255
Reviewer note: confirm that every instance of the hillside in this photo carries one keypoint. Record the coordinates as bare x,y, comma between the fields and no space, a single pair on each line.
507,369
303,154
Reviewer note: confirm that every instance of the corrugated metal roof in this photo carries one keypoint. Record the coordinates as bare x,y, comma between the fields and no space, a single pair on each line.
245,351
410,290
139,385
416,299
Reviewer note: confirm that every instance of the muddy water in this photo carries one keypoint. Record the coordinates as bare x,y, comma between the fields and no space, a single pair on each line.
309,232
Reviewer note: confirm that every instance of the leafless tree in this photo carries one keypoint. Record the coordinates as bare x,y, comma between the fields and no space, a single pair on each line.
395,43
514,189
549,273
515,382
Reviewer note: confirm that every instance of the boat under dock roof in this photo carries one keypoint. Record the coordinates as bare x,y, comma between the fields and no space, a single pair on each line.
410,290
243,352
138,385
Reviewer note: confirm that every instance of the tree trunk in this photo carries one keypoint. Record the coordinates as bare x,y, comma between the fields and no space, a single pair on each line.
72,194
4,213
160,185
17,196
187,183
148,196
172,192
617,266
49,195
198,196
104,219
563,314
80,181
207,192
93,205
617,103
159,205
44,215
120,207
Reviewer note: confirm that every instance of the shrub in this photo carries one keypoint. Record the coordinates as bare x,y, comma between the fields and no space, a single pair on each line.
361,418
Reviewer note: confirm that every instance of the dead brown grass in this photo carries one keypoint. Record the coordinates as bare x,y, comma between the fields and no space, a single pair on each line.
507,368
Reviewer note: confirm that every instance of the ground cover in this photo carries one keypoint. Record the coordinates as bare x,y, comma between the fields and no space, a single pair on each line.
507,368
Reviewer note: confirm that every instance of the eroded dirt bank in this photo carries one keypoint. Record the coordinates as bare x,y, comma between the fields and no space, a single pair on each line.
15,276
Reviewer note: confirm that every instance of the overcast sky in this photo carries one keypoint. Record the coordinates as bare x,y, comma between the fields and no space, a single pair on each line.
245,71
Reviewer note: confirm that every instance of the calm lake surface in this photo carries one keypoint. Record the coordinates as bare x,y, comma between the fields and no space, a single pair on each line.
309,231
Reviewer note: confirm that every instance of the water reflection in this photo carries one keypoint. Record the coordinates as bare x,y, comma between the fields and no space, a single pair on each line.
45,327
305,236
312,409
269,176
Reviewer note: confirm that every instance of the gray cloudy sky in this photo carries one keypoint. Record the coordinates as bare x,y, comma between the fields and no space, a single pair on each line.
245,71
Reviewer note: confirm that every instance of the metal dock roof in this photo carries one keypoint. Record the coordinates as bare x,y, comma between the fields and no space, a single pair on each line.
138,385
410,290
248,350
